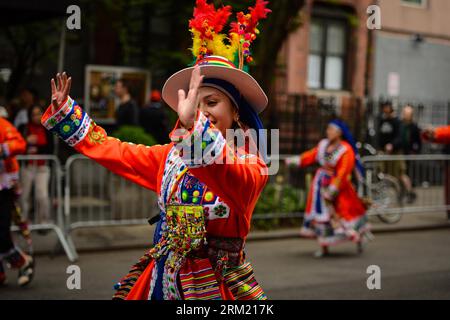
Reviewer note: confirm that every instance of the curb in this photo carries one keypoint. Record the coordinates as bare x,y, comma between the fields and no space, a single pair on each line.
393,229
260,236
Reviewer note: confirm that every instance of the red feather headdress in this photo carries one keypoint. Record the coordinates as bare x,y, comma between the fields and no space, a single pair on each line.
207,24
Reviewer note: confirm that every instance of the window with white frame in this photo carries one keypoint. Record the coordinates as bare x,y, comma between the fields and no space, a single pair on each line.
327,54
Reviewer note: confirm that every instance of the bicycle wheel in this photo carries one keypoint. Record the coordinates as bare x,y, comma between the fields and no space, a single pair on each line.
386,195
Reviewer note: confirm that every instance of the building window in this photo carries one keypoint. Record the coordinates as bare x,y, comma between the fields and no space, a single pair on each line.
327,54
415,3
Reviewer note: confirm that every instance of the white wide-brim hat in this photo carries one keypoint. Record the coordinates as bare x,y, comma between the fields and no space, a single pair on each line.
219,68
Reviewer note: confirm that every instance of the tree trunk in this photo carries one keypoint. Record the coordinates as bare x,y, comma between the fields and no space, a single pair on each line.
283,19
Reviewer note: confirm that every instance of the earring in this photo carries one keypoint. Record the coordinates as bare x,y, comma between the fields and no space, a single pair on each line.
239,123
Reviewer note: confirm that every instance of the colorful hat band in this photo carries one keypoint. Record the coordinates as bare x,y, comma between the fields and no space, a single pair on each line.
215,61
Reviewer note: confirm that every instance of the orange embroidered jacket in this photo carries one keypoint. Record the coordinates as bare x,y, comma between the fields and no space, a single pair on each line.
339,166
12,144
442,135
227,191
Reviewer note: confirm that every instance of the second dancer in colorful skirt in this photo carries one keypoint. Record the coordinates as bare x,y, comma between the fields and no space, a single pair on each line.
334,211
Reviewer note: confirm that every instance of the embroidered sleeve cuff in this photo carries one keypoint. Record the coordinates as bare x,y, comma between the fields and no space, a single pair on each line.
69,122
200,146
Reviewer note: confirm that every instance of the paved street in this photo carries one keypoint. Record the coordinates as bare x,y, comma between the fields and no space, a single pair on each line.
414,265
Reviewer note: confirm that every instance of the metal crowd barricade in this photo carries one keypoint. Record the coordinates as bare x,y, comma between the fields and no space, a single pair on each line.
31,166
95,197
280,177
428,173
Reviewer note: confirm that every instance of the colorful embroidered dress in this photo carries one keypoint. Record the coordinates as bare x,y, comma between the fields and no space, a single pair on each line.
205,203
342,218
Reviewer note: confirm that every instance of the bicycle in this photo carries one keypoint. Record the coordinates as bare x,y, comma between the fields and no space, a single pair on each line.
384,190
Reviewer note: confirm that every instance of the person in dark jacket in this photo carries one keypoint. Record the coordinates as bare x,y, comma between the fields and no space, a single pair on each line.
408,142
388,128
154,118
390,142
128,111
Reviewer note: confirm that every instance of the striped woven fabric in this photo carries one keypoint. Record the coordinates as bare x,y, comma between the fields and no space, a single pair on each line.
198,281
127,282
242,283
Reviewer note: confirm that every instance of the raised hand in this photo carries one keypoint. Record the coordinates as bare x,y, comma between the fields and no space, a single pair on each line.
187,106
60,90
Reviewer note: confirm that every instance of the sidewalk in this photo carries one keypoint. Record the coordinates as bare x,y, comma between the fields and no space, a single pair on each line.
126,237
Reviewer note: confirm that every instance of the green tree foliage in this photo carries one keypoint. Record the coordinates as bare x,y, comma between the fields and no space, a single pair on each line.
26,46
134,134
276,199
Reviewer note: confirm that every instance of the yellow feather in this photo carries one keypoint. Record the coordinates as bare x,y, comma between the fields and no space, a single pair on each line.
196,42
220,48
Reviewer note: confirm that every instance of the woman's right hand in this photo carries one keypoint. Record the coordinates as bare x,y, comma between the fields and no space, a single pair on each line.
60,90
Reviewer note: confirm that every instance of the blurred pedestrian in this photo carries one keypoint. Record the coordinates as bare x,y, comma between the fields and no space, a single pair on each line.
154,118
128,111
334,212
11,144
36,172
388,128
390,143
28,98
18,218
408,142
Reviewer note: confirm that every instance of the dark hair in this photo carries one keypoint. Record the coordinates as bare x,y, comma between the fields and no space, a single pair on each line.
31,90
387,104
127,84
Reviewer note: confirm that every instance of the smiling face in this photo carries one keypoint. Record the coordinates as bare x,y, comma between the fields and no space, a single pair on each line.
217,107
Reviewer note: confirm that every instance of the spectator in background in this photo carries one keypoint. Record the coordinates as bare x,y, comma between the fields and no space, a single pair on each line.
11,144
36,172
154,118
28,98
128,112
388,128
408,142
390,142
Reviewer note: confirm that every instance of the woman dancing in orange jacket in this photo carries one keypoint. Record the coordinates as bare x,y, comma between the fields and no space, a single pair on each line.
207,186
334,212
